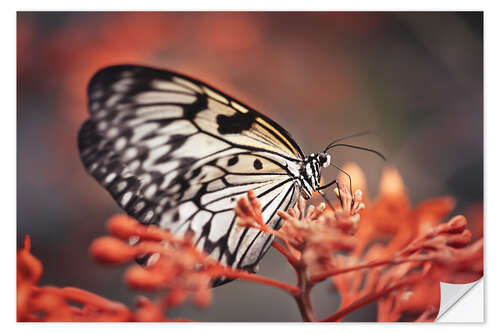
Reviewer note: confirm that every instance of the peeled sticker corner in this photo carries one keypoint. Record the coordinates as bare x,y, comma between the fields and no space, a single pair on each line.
462,302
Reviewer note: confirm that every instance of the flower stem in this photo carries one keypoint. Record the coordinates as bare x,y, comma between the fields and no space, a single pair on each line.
243,275
321,276
303,298
289,256
368,299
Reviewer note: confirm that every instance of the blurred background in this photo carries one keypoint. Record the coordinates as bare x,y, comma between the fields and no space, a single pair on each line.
415,79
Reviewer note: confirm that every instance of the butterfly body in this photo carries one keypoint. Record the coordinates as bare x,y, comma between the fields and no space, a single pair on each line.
175,152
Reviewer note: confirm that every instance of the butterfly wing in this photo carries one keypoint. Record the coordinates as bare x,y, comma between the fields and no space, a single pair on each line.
175,152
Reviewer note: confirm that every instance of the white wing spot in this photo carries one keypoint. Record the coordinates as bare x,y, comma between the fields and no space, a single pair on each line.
112,132
132,240
199,221
143,130
109,178
201,243
134,165
130,153
94,106
121,186
167,167
120,143
100,113
164,97
102,125
215,253
187,84
152,259
150,191
149,216
234,237
215,185
174,188
219,229
205,143
123,85
179,126
126,198
113,100
167,179
145,178
165,85
239,107
138,206
156,153
186,210
157,141
160,111
215,95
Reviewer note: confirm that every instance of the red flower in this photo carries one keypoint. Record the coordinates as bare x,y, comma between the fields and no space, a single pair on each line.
431,252
52,304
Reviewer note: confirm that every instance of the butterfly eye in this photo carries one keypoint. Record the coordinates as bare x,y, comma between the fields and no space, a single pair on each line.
324,160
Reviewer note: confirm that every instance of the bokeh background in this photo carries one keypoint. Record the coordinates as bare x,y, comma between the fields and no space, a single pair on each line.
415,79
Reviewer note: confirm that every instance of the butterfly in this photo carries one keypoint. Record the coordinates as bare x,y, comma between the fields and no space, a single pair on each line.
176,152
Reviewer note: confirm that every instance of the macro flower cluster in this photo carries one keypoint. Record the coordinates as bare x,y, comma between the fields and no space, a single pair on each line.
372,251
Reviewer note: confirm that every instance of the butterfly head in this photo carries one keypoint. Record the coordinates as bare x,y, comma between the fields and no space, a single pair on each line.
310,173
324,159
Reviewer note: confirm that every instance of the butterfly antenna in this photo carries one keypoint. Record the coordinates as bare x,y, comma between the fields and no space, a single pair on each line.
358,147
345,173
347,137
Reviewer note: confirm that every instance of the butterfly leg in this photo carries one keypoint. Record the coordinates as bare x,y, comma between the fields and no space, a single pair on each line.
326,186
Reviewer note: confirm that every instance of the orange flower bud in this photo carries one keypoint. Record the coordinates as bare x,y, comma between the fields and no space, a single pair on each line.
123,226
29,268
203,297
176,296
142,279
111,250
147,311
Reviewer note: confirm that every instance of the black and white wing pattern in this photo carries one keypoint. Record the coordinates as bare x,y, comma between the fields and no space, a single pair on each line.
175,152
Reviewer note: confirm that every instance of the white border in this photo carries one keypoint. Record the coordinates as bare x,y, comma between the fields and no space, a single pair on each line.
8,146
255,5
